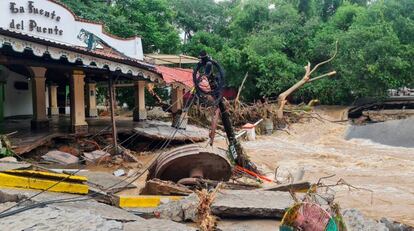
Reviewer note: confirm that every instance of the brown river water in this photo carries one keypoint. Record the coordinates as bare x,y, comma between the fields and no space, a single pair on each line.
320,149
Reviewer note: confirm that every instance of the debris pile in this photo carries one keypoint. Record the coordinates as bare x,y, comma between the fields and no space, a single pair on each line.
186,187
243,113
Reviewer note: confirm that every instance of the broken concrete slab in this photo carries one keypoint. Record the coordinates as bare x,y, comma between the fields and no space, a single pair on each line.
398,133
60,157
80,215
231,204
103,210
47,195
157,224
251,203
105,181
159,130
6,197
63,217
6,166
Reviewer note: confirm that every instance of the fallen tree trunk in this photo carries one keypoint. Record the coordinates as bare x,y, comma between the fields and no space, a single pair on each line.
281,102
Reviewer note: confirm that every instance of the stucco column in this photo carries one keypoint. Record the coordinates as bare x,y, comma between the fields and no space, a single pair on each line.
77,102
4,74
91,109
53,105
140,112
40,119
179,119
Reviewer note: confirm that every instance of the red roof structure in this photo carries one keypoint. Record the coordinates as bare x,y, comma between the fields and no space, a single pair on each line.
176,75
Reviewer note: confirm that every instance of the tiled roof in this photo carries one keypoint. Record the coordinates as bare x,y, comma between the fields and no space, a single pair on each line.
176,75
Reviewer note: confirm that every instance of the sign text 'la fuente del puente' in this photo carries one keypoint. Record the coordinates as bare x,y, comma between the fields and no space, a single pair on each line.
32,24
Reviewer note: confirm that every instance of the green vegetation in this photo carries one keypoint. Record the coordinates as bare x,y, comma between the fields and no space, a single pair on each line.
273,40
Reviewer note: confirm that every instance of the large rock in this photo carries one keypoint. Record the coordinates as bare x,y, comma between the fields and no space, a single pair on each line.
356,221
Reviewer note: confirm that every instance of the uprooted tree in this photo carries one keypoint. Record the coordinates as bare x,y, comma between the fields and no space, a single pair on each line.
281,100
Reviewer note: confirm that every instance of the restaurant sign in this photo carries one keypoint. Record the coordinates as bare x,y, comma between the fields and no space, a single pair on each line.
51,20
32,25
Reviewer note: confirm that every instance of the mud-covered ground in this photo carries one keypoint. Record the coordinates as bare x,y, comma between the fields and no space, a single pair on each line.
319,147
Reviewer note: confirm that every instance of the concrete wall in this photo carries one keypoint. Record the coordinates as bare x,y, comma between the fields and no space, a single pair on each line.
398,133
17,102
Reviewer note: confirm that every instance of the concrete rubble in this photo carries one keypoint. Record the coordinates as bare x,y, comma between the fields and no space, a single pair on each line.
159,130
395,226
6,166
182,210
159,187
8,159
356,221
60,157
119,172
80,215
96,156
231,204
250,203
6,197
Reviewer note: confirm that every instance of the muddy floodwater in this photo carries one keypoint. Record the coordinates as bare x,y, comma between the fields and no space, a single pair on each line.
319,147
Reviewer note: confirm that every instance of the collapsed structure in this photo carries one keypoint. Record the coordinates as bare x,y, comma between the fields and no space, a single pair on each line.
53,77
